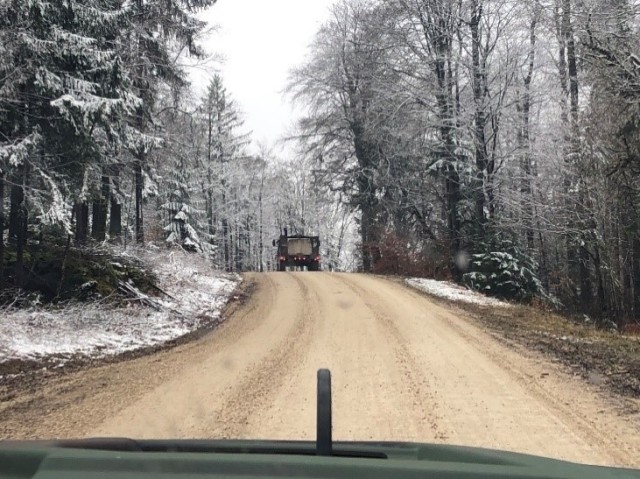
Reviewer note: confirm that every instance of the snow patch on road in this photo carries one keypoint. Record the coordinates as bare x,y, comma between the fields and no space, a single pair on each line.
453,292
197,296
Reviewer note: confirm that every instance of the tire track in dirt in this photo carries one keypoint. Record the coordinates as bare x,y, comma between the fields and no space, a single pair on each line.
404,369
416,383
546,381
257,385
372,396
243,366
484,400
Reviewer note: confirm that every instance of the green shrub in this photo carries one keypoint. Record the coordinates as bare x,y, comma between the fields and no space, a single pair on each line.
504,271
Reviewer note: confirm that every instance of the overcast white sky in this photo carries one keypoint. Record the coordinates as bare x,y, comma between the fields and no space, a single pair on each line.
261,41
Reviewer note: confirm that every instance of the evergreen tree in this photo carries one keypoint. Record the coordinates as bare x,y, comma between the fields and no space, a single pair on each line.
224,146
64,106
504,270
158,31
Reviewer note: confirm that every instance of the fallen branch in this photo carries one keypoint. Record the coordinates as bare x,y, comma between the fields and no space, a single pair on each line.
135,294
163,291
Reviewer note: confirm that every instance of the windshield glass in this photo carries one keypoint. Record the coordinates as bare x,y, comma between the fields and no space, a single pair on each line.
203,203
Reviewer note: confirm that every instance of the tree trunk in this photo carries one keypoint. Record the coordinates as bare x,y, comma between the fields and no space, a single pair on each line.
586,298
238,241
365,235
100,210
564,116
603,305
16,197
525,185
115,208
366,199
63,269
620,267
248,257
211,219
447,102
82,222
260,227
577,258
586,293
2,227
524,141
622,248
22,225
544,263
139,187
481,155
572,65
367,222
20,247
225,238
115,220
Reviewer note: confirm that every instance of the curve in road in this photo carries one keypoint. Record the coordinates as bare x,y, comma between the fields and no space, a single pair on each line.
404,369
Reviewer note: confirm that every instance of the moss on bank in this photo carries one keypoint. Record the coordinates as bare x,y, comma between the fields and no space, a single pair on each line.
54,273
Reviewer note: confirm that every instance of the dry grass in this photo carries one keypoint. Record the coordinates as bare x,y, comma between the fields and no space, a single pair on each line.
612,358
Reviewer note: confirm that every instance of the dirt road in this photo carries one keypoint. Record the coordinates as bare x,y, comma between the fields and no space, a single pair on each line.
403,369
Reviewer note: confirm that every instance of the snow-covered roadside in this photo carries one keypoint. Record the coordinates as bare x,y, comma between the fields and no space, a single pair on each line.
453,292
197,292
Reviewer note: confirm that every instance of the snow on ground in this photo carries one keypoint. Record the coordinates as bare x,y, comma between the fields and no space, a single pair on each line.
453,292
199,294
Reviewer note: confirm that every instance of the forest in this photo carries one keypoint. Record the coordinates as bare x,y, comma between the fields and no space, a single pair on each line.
495,143
105,141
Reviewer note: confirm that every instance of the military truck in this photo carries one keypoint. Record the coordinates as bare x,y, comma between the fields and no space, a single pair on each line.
297,251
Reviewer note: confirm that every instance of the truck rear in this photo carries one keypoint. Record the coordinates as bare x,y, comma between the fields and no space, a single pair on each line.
298,251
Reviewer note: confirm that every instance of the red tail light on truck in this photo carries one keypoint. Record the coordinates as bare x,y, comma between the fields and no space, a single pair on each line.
298,251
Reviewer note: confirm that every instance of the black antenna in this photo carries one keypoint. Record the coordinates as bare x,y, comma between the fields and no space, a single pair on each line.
324,442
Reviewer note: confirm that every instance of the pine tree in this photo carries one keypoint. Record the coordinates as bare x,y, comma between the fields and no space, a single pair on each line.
224,145
157,31
65,102
179,173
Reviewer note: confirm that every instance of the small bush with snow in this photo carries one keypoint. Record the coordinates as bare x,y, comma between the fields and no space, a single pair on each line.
504,271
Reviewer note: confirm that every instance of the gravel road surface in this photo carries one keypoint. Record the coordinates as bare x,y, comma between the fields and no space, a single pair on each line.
403,368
